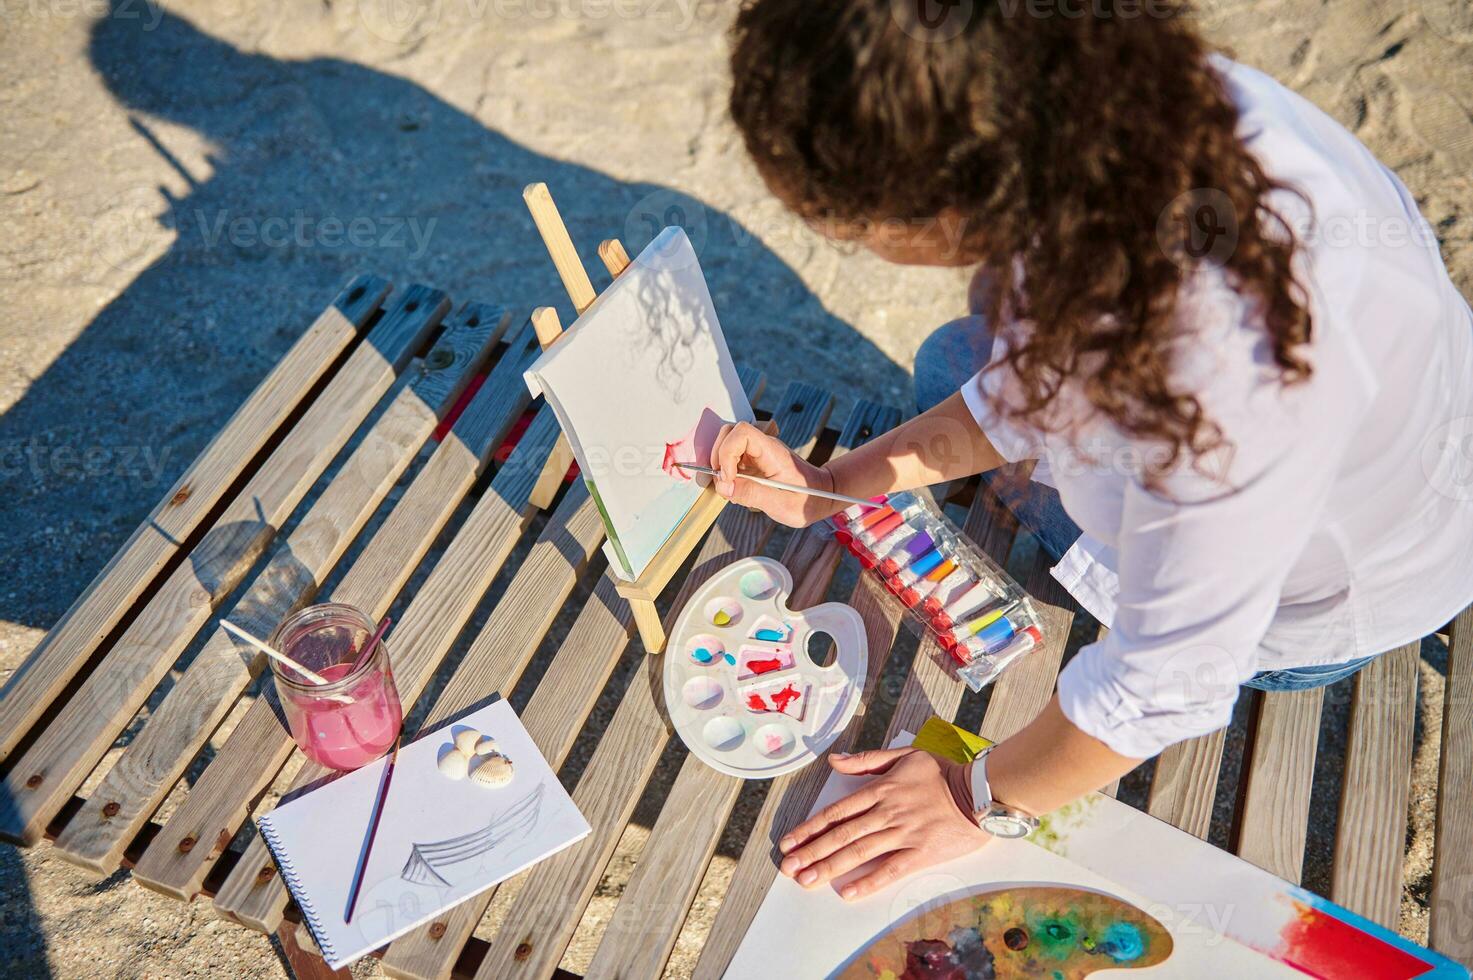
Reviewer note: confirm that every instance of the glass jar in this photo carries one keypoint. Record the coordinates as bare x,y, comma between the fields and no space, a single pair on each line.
355,717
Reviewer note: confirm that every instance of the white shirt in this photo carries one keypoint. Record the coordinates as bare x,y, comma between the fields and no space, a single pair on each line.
1344,526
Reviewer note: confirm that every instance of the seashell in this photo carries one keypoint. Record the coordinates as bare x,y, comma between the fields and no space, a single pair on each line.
466,739
453,763
486,745
492,770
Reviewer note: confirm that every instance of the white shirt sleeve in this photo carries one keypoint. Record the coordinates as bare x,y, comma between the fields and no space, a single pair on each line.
1201,574
1013,441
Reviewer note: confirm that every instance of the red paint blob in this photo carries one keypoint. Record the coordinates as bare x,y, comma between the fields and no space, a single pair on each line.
1321,945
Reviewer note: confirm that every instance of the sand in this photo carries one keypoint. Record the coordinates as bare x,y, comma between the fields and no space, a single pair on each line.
182,188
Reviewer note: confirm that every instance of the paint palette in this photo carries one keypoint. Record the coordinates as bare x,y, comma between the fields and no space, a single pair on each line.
741,688
1057,933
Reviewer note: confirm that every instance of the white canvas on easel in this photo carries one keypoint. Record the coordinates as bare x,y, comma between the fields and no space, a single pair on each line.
641,380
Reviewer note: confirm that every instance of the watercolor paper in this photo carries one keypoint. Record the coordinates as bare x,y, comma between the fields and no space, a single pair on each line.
439,841
1223,916
640,382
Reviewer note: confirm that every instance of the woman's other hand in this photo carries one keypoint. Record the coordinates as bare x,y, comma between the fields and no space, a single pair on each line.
744,448
910,817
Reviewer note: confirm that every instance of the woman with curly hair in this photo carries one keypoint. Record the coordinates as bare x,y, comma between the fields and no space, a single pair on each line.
1211,321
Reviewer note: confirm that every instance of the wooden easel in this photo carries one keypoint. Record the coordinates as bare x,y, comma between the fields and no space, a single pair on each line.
642,592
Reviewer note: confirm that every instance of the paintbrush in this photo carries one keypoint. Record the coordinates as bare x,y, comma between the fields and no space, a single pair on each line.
378,812
367,650
777,485
274,653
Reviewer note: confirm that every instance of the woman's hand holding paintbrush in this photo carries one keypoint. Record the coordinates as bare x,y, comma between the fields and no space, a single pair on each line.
744,450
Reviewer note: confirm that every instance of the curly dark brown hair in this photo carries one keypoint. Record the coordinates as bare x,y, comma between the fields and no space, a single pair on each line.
1060,141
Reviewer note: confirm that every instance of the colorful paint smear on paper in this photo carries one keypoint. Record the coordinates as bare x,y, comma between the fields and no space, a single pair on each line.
1328,941
1056,933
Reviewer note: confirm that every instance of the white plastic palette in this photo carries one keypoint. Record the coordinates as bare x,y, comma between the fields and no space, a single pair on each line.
741,689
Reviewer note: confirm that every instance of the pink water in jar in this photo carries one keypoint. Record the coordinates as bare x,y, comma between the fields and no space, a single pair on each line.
353,719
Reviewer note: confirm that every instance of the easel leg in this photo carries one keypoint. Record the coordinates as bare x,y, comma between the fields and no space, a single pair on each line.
553,473
303,964
651,632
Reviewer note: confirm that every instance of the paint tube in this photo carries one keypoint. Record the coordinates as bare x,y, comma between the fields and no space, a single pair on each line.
984,668
949,584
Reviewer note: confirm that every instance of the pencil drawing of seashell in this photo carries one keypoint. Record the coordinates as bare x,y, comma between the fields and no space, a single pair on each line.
486,745
454,763
466,739
492,770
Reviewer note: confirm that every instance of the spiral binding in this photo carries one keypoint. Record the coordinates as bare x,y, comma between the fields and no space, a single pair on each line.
284,867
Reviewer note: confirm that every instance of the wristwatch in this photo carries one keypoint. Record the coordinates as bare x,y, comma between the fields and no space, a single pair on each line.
998,819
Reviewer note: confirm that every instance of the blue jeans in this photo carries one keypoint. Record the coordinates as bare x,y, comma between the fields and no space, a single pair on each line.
947,359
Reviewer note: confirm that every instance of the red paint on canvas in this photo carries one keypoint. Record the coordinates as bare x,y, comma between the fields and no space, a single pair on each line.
1322,945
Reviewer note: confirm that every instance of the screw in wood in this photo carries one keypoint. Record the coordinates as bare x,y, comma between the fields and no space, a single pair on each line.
524,950
111,810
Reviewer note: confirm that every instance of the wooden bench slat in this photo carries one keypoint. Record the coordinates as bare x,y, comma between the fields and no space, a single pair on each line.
1366,877
70,643
200,699
1451,927
547,909
1184,783
693,817
251,894
931,687
496,658
1273,816
44,779
221,798
791,796
1026,687
553,717
658,895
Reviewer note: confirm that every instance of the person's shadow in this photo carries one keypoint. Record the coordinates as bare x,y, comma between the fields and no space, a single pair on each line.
321,169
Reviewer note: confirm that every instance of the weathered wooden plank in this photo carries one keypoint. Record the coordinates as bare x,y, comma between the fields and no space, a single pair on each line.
553,717
546,910
1025,688
496,659
1366,876
685,835
1185,782
43,780
221,798
1451,928
155,759
1273,817
251,894
792,796
71,642
932,687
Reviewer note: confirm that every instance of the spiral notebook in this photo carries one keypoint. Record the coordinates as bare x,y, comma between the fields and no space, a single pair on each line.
440,841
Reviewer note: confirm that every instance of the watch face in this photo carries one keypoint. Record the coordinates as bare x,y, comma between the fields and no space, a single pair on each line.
1006,825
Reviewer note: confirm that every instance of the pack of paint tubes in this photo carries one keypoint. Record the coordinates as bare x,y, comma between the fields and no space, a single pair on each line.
980,615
